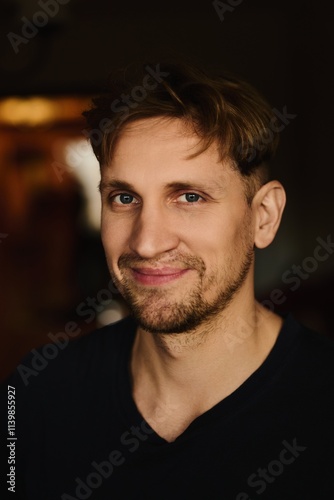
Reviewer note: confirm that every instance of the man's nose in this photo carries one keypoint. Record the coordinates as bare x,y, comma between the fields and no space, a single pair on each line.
154,232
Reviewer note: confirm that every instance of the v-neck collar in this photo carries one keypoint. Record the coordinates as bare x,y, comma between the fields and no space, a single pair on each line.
258,381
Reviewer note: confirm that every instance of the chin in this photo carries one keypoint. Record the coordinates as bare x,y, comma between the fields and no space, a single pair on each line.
176,318
167,327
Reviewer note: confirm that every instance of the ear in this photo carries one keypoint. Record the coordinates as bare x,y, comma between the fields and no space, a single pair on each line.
268,205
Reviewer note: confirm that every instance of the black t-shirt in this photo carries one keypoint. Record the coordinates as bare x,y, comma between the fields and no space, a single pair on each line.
80,435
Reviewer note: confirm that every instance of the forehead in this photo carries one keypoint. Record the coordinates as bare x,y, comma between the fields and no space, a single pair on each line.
164,133
163,149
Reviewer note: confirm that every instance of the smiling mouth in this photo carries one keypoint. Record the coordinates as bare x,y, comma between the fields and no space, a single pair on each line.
150,276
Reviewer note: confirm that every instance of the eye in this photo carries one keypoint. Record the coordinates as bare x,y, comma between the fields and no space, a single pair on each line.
124,199
190,197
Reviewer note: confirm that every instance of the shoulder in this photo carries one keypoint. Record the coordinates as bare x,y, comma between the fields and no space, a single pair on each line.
309,356
310,343
69,361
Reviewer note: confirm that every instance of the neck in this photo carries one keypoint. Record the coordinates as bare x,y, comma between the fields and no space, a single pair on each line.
186,374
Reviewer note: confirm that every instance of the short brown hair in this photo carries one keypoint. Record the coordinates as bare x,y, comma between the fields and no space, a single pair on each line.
221,109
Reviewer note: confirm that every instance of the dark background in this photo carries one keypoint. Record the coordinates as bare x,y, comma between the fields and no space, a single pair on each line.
283,48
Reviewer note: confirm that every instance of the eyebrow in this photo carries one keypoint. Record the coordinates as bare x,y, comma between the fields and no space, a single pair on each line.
115,184
180,186
177,185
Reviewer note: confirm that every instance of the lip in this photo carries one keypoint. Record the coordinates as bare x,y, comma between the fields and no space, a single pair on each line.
150,276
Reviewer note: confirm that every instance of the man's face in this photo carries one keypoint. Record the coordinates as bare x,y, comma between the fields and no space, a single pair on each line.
177,232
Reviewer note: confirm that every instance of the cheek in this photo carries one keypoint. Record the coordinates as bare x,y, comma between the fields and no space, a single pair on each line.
220,238
214,231
208,241
112,236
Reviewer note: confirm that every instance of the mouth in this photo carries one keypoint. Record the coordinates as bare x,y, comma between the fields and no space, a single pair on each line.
155,277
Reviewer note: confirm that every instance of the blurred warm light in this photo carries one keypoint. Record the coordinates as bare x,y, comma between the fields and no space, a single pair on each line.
82,163
35,111
60,149
113,312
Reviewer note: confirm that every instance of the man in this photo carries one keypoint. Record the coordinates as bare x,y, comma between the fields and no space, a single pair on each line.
201,391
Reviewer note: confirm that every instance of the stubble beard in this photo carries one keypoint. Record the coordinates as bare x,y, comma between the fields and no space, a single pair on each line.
157,313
